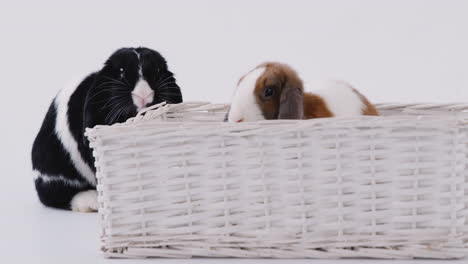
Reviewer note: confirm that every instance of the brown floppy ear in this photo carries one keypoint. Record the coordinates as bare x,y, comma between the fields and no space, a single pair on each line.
291,104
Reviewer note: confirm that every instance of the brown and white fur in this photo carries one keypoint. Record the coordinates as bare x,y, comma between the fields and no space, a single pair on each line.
274,91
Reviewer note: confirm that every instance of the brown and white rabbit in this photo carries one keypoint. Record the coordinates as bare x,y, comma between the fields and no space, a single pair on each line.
274,91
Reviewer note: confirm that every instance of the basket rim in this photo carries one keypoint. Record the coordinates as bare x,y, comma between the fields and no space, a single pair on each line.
451,115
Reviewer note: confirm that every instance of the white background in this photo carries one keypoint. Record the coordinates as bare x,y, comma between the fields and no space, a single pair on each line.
394,50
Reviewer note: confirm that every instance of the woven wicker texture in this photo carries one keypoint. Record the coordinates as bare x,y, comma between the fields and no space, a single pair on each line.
176,181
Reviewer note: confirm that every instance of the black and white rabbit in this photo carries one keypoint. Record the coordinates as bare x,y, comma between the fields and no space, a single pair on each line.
131,79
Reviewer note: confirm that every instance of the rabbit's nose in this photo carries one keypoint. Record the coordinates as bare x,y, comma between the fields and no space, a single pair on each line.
142,94
240,120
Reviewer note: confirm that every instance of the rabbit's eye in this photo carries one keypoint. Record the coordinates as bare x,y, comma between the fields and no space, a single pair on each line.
121,73
269,91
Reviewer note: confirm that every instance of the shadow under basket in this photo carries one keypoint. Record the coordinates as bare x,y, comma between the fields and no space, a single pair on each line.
177,182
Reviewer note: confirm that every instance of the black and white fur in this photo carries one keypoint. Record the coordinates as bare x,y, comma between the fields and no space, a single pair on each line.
131,79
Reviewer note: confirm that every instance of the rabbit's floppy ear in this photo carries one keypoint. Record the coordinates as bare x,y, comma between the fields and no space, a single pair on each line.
89,115
291,103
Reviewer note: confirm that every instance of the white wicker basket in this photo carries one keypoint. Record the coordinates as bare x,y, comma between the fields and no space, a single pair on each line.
178,182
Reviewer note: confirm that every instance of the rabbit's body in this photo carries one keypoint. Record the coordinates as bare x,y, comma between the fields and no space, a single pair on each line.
62,161
335,99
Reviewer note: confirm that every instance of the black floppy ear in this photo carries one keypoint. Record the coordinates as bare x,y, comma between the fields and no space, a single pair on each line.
89,121
170,90
291,104
89,118
89,113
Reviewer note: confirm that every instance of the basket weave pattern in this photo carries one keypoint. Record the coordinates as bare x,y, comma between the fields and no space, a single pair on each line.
175,181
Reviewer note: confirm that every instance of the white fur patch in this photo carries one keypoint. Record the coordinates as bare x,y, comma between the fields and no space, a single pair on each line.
340,98
85,201
48,178
62,129
142,94
244,105
140,71
138,54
